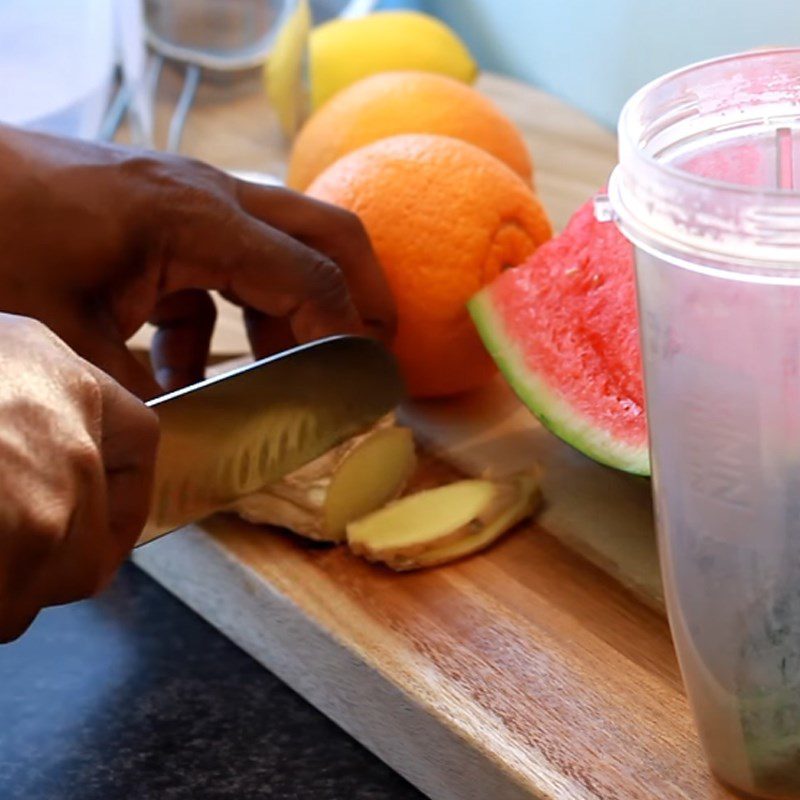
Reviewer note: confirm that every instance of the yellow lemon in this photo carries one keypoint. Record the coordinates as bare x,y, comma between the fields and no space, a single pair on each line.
284,73
345,50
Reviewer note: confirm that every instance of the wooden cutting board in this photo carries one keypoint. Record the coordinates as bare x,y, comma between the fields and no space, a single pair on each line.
525,672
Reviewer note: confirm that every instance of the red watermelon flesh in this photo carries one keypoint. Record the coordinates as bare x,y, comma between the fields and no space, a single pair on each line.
563,329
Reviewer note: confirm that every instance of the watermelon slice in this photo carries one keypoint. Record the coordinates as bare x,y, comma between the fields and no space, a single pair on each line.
563,329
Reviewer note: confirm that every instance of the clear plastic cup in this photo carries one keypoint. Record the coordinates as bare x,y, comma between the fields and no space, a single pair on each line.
705,189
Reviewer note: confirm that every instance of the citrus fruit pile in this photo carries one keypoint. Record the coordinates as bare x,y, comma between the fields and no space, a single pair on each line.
444,185
442,181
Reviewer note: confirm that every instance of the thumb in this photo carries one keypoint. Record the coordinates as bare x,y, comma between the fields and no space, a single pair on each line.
128,446
99,342
117,361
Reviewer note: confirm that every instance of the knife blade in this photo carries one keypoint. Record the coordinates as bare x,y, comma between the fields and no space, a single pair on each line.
239,431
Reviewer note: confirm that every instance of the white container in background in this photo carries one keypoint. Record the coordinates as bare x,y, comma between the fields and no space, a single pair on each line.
56,64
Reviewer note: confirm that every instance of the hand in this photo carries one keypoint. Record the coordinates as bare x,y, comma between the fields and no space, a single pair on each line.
77,455
95,240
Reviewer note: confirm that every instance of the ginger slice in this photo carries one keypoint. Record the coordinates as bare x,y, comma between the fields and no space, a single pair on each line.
428,519
347,482
513,500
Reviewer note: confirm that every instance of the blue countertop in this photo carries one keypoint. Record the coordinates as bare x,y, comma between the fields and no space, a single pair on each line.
131,695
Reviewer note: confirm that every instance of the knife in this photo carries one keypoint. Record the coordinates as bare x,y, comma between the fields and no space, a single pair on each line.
239,431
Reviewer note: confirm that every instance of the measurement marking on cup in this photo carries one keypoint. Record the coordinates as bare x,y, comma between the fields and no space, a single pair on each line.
784,159
721,477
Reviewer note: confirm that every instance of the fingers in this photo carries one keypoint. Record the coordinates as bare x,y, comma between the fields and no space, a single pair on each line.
267,335
78,567
339,235
113,358
118,468
111,481
179,351
21,559
15,618
96,339
128,449
268,271
93,335
299,284
56,544
79,457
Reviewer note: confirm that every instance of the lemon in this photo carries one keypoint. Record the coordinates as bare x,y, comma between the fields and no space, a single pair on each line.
343,51
284,72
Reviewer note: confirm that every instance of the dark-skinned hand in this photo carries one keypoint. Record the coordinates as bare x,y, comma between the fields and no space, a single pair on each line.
95,241
76,461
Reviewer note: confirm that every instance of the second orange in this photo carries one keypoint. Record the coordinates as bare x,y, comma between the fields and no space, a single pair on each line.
445,218
392,103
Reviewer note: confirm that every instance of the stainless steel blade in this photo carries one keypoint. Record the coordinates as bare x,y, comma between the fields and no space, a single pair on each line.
237,432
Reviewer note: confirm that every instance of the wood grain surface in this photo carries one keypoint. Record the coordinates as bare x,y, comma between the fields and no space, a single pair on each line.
525,672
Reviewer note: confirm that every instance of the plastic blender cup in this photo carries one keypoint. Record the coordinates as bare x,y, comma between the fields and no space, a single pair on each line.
706,191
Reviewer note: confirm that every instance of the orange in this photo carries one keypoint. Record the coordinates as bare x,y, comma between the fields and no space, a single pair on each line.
392,103
445,218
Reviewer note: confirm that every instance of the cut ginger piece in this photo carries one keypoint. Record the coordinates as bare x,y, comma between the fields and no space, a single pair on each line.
527,501
346,483
443,524
422,520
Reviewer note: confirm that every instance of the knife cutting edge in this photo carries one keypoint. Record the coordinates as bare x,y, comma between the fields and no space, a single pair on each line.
239,431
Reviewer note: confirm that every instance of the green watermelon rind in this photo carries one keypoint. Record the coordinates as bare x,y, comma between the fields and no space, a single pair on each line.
558,416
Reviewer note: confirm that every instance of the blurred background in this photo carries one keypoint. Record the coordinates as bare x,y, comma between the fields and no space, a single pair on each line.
60,60
596,53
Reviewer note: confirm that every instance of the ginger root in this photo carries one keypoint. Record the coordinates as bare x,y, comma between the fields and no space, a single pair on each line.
350,494
421,521
443,524
346,483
